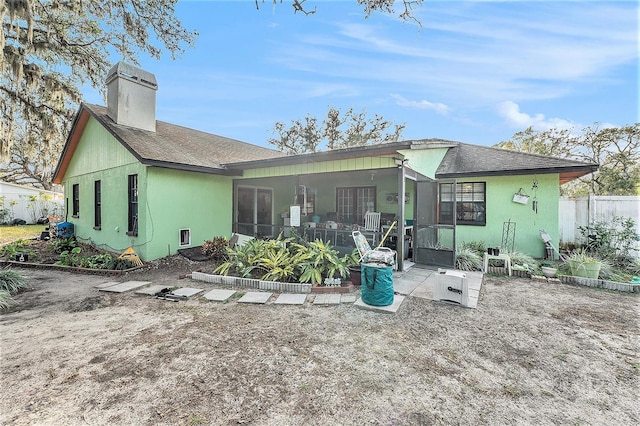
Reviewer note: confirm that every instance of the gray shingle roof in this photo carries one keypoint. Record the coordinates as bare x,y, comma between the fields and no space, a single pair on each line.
174,146
474,160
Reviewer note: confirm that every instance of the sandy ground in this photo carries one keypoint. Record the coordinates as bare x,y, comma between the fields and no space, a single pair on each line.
532,353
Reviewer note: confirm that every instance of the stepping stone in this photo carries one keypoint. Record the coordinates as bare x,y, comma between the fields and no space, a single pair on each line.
126,286
255,297
219,295
291,299
108,284
151,290
347,298
186,291
390,309
327,299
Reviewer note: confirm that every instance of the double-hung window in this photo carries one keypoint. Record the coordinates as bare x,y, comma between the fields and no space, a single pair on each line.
97,204
132,227
470,202
75,212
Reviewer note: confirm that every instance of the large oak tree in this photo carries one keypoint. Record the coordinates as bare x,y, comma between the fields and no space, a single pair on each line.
615,149
336,131
52,48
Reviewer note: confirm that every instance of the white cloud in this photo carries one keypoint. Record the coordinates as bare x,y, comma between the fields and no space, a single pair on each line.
438,107
510,111
477,53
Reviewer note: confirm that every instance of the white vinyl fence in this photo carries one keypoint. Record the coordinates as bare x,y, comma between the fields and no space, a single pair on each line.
582,211
28,203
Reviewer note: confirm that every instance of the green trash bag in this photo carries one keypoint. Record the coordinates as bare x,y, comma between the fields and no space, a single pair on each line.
377,284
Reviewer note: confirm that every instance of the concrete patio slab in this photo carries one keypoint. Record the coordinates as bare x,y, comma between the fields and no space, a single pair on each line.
390,309
125,286
107,284
187,291
151,290
348,298
291,299
327,299
408,283
258,297
219,295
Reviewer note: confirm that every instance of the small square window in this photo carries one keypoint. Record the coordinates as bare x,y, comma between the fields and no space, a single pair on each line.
185,237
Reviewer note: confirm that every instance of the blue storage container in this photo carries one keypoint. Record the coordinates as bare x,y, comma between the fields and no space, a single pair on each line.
65,230
377,284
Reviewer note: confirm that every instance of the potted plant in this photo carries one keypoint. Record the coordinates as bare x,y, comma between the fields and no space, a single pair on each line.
548,269
353,263
583,265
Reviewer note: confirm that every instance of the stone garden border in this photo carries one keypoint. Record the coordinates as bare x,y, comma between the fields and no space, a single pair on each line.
240,282
597,283
74,269
570,279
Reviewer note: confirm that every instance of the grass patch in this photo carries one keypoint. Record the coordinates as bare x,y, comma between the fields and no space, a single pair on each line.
20,232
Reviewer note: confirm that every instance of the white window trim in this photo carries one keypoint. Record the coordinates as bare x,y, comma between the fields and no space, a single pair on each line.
180,244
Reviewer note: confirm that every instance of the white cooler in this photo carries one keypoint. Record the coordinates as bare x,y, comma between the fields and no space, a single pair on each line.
451,286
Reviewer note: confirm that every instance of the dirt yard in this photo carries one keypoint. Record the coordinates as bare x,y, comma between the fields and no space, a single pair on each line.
532,353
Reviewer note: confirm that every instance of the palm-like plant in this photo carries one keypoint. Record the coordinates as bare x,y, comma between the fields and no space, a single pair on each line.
322,261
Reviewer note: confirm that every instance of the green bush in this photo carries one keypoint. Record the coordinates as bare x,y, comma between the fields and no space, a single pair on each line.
478,247
10,283
64,244
467,259
70,258
11,280
5,299
9,251
524,262
613,241
282,259
215,248
320,261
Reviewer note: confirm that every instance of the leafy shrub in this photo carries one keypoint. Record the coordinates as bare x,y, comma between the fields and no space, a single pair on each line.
282,259
9,251
467,259
64,244
524,262
215,248
614,241
5,299
478,247
70,258
10,283
98,261
320,261
119,264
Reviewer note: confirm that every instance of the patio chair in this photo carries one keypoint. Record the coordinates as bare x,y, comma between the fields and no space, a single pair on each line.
239,240
372,224
378,255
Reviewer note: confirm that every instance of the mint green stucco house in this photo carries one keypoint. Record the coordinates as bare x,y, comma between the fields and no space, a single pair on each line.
133,181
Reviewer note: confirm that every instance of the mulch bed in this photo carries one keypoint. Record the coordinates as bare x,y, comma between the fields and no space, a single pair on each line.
194,253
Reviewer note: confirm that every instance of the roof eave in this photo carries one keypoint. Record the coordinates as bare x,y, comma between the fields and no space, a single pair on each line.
573,172
191,168
77,128
338,154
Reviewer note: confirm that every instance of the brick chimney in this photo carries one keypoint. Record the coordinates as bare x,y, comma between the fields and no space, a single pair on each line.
131,96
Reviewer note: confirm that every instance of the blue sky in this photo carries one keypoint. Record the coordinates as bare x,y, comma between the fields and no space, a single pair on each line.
475,72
